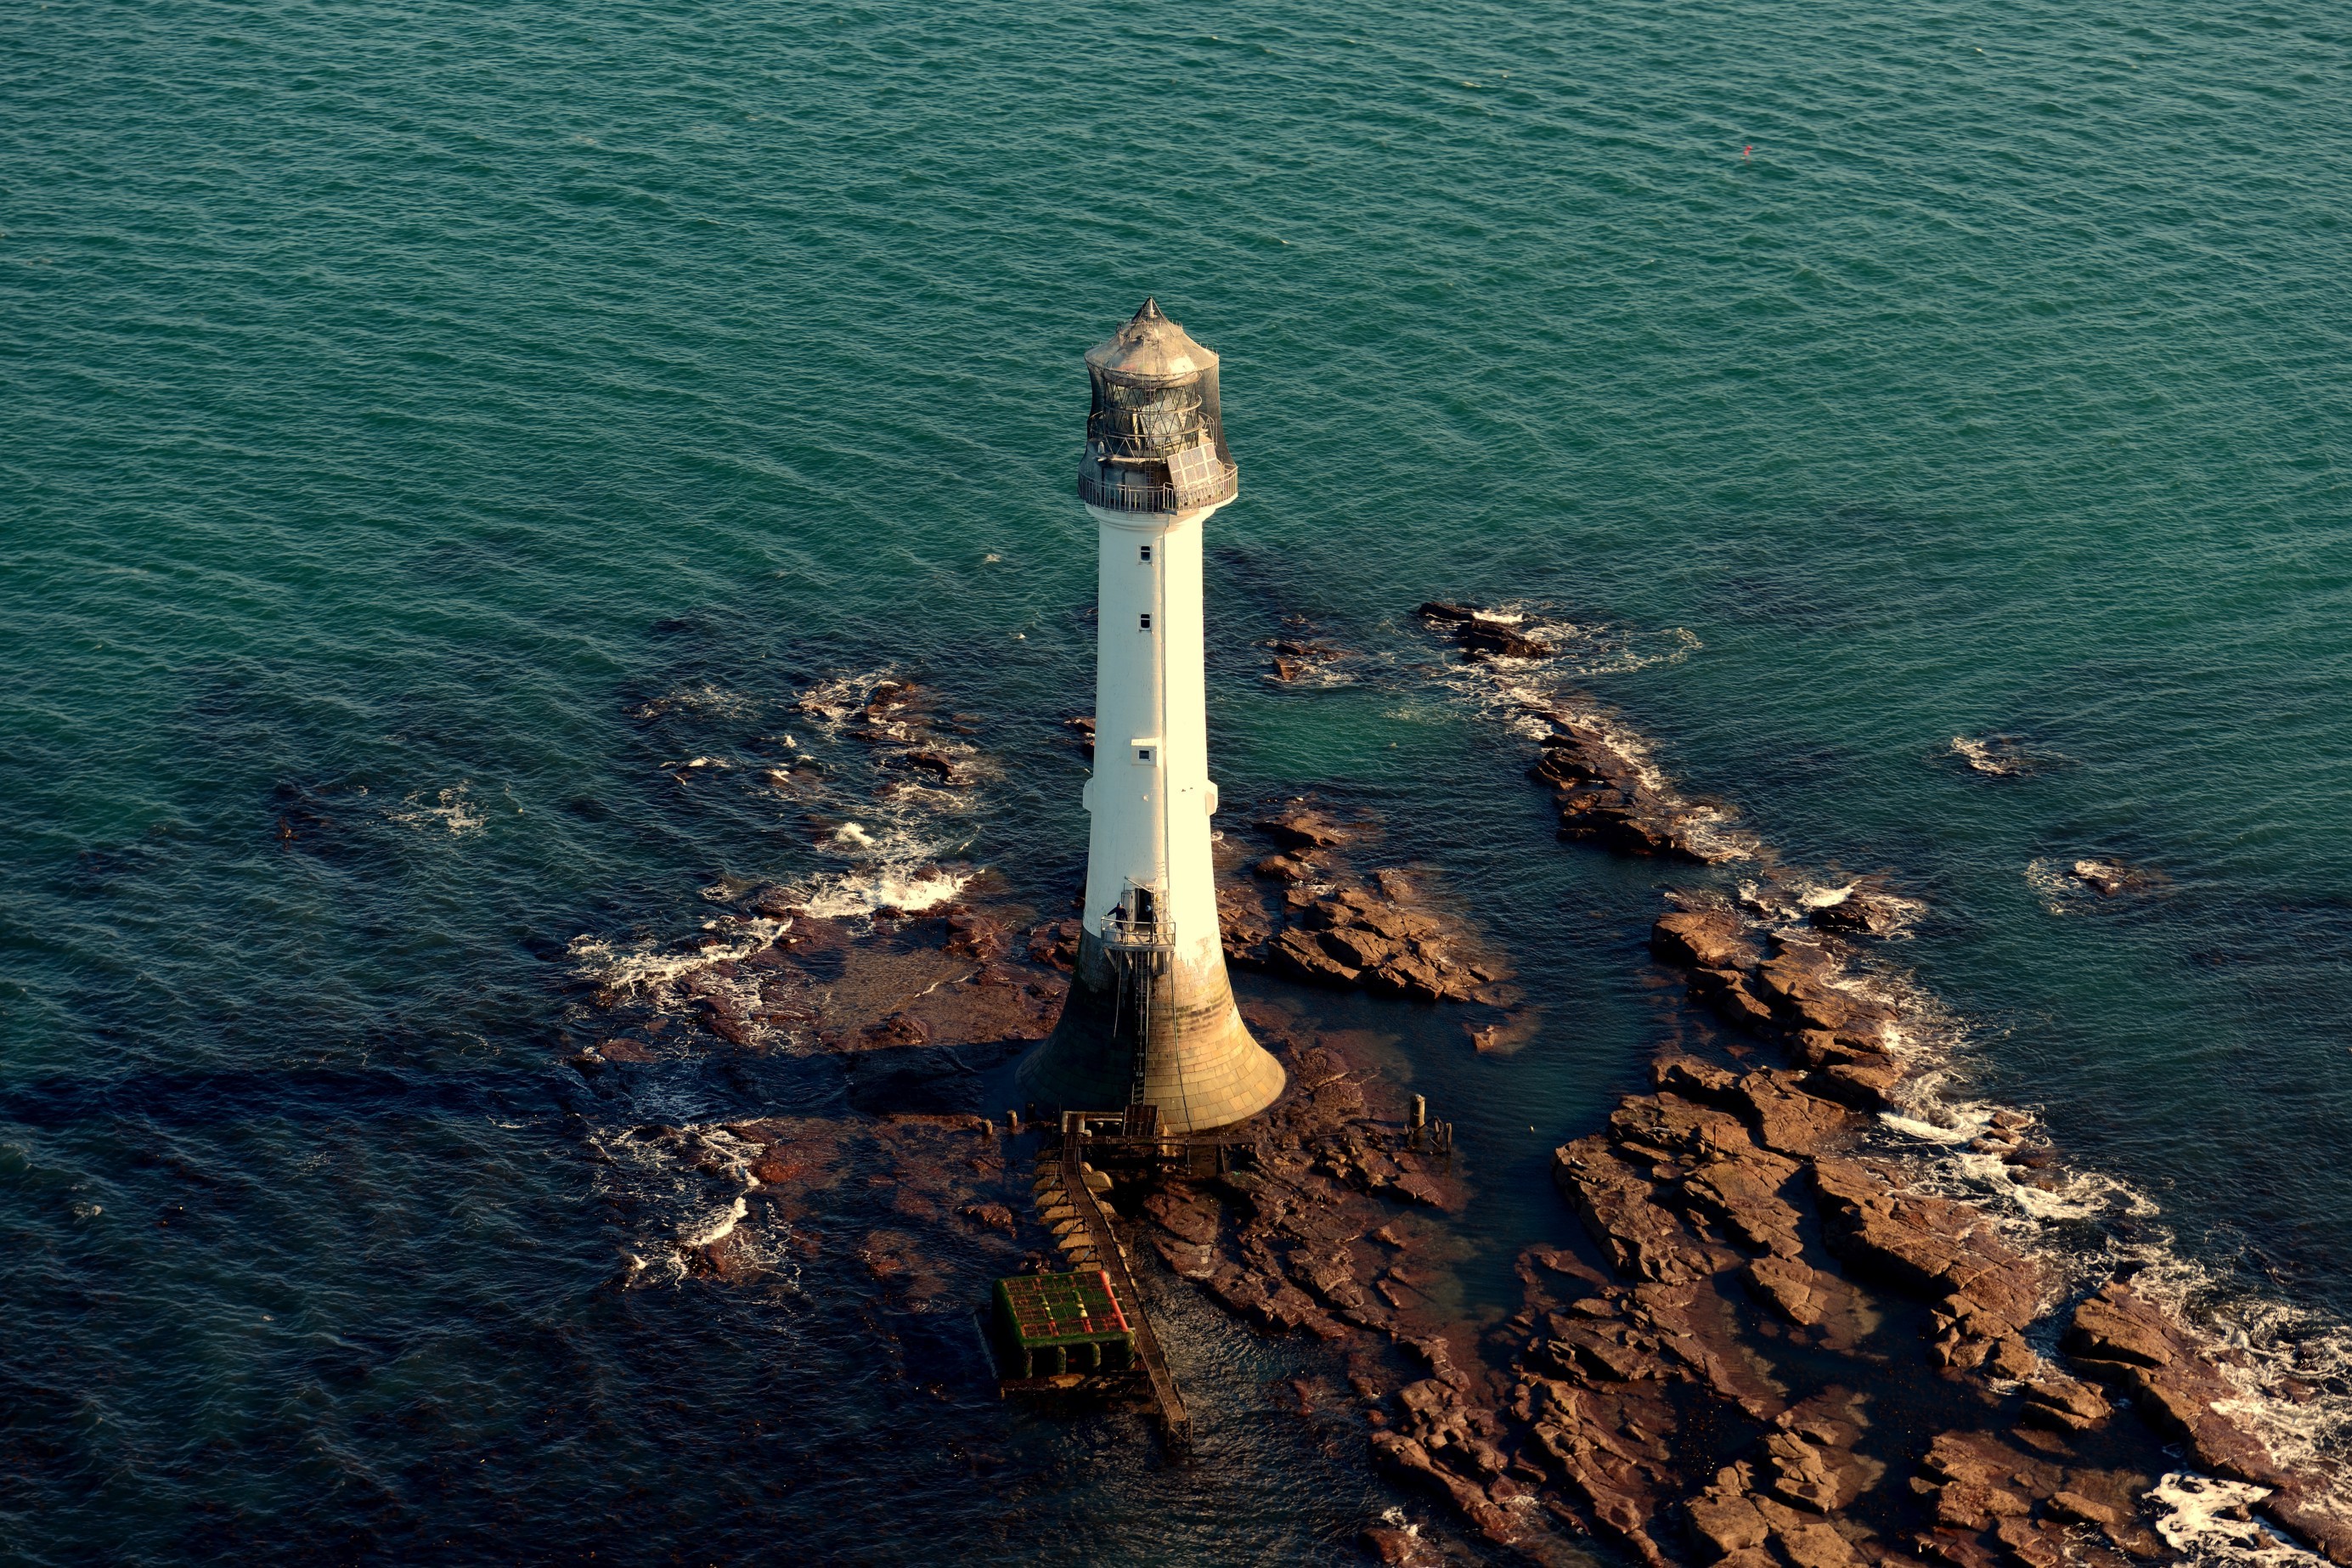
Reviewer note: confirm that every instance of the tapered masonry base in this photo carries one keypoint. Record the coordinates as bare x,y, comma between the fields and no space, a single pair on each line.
1201,1068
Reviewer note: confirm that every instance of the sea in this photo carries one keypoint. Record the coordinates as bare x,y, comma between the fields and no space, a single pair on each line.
430,429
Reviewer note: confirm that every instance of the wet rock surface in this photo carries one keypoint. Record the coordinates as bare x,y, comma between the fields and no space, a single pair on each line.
1485,634
2111,878
1315,909
1997,756
1606,790
1768,1347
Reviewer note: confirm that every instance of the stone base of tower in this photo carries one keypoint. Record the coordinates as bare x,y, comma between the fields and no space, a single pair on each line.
1206,1070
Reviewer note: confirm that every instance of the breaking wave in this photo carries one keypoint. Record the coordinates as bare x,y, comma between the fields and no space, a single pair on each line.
2206,1521
687,1191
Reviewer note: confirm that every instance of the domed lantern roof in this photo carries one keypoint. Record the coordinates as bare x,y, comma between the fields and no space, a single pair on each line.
1155,438
1150,347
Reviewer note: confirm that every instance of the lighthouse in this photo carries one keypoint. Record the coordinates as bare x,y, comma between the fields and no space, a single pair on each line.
1149,1019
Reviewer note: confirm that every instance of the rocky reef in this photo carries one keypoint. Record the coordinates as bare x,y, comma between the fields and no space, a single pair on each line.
1605,787
1311,910
1772,1346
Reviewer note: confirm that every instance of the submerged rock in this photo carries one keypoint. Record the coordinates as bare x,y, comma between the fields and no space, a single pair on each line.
1867,912
1303,827
2108,879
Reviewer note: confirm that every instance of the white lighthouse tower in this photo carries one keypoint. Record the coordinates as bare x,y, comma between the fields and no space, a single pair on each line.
1151,1019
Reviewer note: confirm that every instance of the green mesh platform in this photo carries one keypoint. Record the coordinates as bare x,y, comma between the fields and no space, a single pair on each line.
1049,1324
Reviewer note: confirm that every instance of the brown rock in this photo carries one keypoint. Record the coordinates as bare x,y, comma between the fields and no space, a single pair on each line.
1862,1086
1191,1222
1191,1260
1816,1544
1057,944
988,1216
1790,1120
1481,636
1822,1480
1241,1289
1302,828
2314,1519
2011,1358
1864,911
1284,868
1724,1517
1790,1287
1959,1549
1359,949
1613,1199
898,1030
1742,1189
1419,979
2173,1387
2083,1509
1799,983
1416,1188
1930,1246
2031,1545
1410,1462
1980,1460
1728,995
1371,911
2117,1325
975,936
1302,956
1703,939
938,764
1693,1079
2064,1403
1670,1123
1972,1505
1825,1048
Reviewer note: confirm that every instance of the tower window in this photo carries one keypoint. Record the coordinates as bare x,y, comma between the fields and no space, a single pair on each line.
1143,754
1147,553
1147,621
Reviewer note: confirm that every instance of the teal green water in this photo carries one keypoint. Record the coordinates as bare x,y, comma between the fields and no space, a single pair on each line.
398,399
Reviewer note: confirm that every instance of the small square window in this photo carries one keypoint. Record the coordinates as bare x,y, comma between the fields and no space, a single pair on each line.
1146,622
1142,753
1147,553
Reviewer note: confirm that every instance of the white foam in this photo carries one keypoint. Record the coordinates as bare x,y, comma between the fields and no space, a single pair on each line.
2284,1363
451,809
2288,1366
841,897
703,1232
692,1187
832,702
1929,1131
705,701
641,968
2061,888
2209,1520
